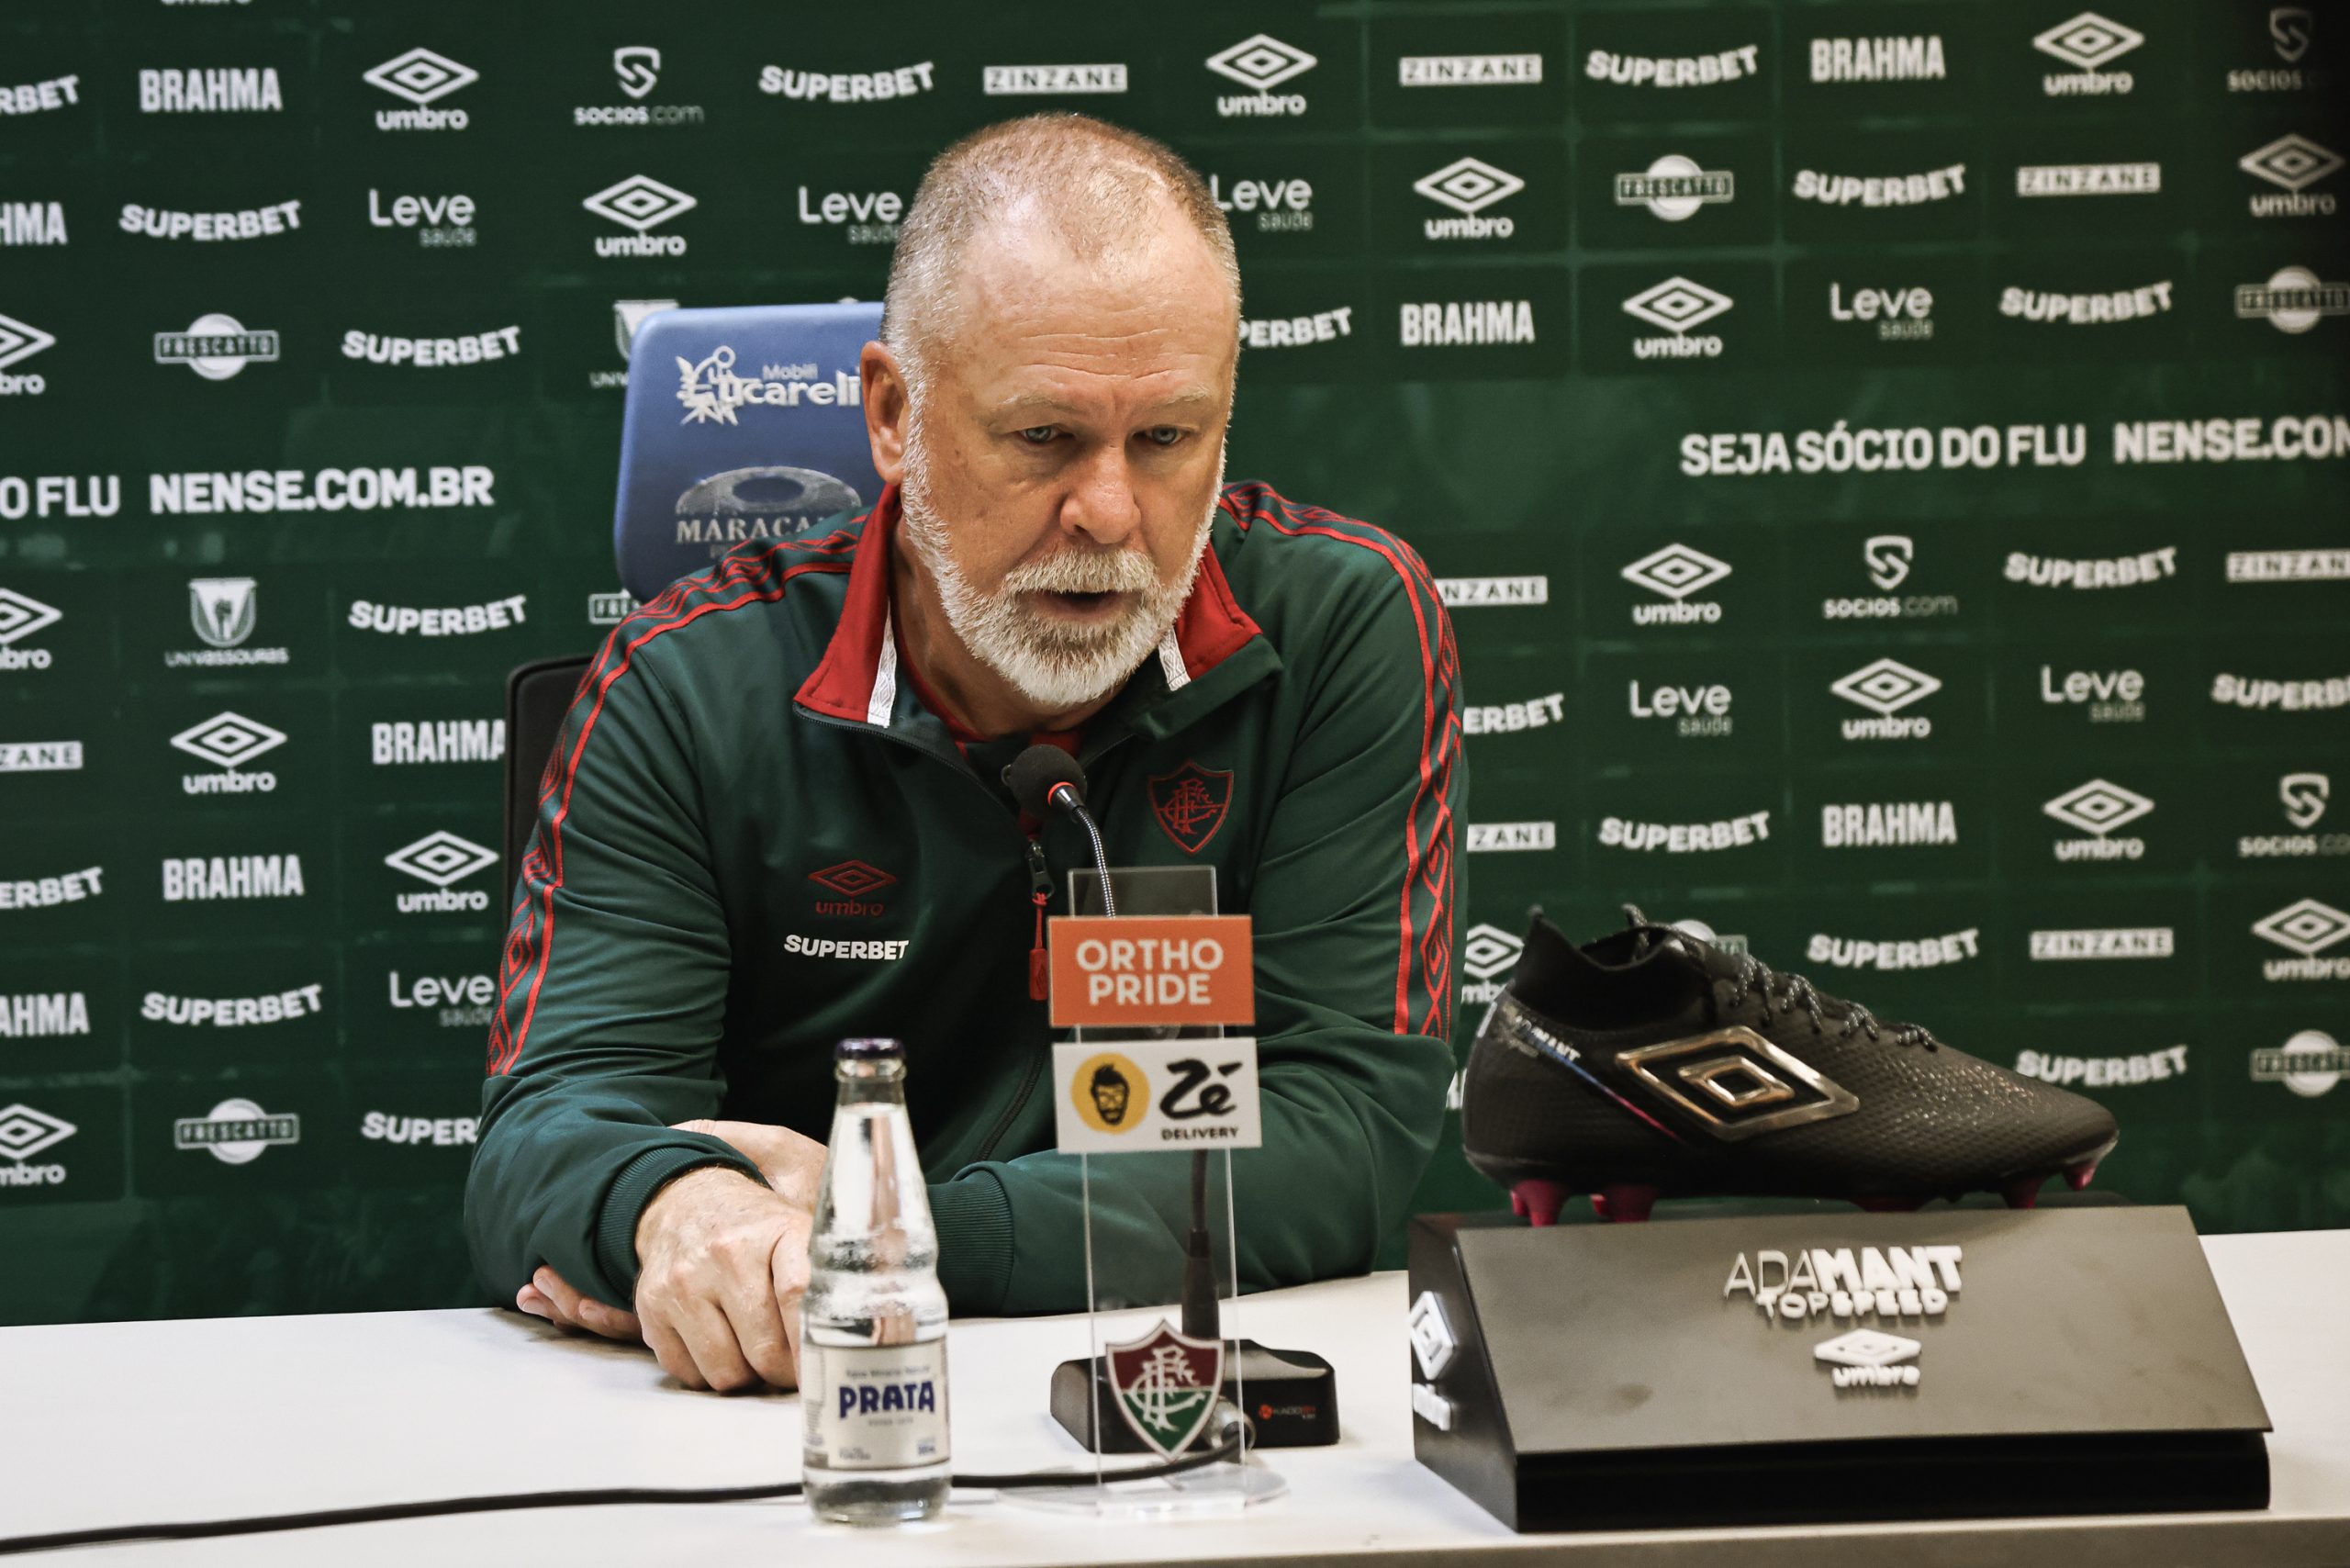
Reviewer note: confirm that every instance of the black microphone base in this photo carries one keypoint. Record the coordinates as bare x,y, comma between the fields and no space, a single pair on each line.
1292,1399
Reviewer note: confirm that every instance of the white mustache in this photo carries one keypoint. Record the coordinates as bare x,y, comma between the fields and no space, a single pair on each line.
1085,571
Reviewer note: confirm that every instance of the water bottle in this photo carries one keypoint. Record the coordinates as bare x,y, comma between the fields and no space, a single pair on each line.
873,1323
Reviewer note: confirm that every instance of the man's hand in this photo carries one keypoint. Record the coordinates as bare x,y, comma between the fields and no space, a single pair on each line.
725,1262
793,1166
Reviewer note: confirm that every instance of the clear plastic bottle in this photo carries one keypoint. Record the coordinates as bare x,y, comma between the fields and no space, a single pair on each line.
873,1323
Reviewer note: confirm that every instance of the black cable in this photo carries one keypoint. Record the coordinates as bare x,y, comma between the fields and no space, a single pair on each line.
261,1524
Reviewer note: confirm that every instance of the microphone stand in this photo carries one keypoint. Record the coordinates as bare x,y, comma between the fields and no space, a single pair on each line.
1294,1393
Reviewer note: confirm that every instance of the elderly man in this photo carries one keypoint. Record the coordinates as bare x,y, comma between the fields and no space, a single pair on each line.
1252,685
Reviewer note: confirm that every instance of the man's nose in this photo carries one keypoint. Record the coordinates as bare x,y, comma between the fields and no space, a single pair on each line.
1101,502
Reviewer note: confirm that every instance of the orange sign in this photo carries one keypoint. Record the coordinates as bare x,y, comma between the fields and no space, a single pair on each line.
1143,969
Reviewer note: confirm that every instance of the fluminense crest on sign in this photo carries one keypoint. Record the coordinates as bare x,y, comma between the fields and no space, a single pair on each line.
2293,161
19,341
2306,926
2088,41
2098,807
1676,305
1676,571
1469,186
1263,62
639,202
24,1132
440,858
420,76
228,740
1166,1383
1886,687
221,610
21,616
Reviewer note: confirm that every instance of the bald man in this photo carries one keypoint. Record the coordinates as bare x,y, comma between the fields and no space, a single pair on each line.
1252,685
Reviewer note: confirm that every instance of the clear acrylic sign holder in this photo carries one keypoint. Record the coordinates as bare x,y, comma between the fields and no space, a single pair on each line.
1141,1252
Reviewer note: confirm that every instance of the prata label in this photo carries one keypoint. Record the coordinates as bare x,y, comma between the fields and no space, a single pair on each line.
874,1406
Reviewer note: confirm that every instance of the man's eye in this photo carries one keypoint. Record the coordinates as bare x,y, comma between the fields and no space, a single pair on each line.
1037,436
1162,436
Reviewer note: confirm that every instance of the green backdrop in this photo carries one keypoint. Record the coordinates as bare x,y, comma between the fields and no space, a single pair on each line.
1889,463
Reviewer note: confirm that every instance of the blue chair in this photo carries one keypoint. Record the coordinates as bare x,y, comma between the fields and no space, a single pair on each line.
742,423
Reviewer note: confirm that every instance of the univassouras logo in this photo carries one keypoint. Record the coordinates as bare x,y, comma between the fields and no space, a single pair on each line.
1684,838
1891,956
42,893
2260,695
1887,824
232,1012
1671,71
1880,190
205,228
1915,57
233,89
452,620
423,79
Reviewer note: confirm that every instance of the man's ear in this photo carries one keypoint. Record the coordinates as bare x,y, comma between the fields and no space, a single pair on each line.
887,408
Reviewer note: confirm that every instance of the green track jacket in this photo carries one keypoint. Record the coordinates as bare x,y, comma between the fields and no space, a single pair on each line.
755,837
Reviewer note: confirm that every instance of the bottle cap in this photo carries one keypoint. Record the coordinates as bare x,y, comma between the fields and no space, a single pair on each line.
874,1048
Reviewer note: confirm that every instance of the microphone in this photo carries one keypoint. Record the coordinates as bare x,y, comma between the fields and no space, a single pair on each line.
1048,782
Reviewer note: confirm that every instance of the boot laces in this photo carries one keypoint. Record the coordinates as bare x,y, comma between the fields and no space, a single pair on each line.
1783,992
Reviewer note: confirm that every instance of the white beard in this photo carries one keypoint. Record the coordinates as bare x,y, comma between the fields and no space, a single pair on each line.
1056,665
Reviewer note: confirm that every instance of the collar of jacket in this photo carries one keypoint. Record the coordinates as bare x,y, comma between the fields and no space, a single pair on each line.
1211,653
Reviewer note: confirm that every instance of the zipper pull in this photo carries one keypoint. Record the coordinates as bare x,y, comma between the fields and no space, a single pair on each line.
1040,892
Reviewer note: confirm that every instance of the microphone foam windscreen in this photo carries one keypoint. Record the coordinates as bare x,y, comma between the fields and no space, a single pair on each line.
1033,773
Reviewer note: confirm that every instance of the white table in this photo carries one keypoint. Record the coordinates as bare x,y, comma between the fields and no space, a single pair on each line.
112,1423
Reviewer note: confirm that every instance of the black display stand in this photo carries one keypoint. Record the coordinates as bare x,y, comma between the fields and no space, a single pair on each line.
1600,1377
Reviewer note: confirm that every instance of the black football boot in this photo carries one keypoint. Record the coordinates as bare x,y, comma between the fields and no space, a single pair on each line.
1651,1063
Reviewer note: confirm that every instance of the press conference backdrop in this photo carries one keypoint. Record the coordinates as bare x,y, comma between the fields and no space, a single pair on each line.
1888,464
